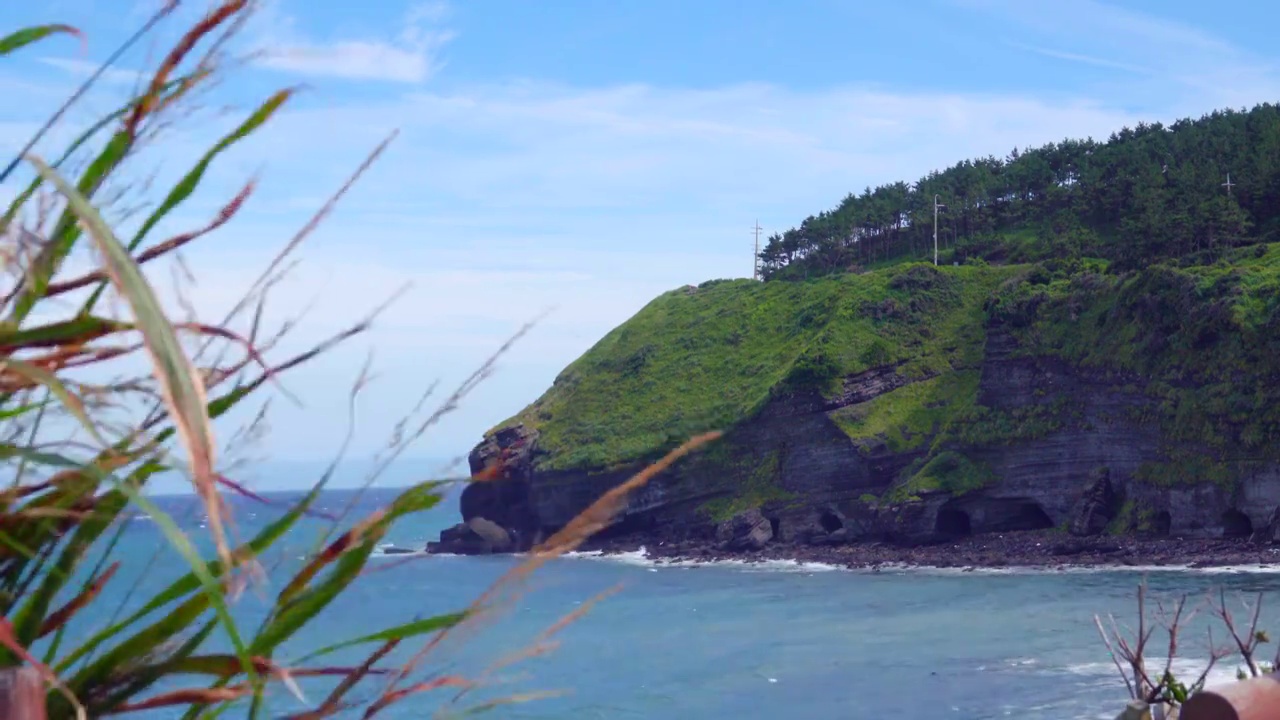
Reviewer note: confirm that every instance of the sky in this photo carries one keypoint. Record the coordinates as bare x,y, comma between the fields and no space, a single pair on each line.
568,161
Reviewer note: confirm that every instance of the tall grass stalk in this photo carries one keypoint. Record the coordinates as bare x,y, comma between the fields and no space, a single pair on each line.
62,515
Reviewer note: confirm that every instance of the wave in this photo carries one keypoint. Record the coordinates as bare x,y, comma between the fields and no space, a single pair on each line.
1083,569
397,551
1187,670
641,558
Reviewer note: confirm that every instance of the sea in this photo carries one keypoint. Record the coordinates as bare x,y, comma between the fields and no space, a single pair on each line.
591,636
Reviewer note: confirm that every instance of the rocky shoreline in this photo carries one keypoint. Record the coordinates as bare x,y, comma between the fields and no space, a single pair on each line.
750,537
1040,549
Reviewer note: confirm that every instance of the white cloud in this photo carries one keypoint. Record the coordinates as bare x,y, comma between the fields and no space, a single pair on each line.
412,57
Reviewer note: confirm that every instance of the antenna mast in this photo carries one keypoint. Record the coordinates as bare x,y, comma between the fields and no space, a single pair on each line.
755,258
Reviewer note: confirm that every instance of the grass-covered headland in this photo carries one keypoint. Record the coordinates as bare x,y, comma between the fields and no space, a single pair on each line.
1128,257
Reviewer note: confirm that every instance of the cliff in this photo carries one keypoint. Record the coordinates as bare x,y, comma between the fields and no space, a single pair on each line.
914,404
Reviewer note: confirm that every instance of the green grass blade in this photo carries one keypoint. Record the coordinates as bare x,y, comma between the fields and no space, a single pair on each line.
191,180
50,381
295,606
75,146
191,581
14,413
399,632
55,645
183,392
42,536
144,677
187,185
31,615
81,328
22,38
307,604
67,231
40,458
144,643
210,584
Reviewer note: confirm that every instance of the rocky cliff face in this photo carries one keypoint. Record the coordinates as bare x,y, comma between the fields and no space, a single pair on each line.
791,474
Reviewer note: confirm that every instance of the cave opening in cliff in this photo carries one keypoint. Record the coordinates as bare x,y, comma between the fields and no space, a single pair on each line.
1236,524
951,521
775,523
632,524
1026,515
1162,523
830,521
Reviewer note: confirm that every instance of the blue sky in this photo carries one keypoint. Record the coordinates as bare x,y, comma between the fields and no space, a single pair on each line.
583,156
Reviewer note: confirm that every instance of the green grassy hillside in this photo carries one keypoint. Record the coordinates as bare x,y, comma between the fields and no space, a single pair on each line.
710,357
1205,339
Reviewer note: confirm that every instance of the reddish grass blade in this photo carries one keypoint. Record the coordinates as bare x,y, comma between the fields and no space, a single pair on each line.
62,615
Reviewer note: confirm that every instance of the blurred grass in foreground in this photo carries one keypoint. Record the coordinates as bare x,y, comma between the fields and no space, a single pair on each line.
62,512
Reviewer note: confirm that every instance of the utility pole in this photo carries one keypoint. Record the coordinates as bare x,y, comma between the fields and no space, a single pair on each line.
936,205
755,259
1228,184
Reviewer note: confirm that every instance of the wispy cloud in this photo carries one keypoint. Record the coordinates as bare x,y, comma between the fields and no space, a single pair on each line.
412,57
1080,58
1178,61
84,68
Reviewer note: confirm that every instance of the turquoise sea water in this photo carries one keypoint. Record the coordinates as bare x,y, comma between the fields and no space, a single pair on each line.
727,641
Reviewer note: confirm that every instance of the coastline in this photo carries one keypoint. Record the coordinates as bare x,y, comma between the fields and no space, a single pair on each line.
1043,550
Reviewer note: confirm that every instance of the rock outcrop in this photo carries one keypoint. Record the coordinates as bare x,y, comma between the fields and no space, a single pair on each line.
1096,506
746,531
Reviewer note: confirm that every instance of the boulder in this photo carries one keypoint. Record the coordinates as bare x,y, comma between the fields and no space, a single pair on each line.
747,530
1096,506
498,538
472,538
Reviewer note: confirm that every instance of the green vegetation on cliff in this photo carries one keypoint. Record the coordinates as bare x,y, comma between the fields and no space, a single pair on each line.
1126,259
704,358
909,416
948,471
1200,340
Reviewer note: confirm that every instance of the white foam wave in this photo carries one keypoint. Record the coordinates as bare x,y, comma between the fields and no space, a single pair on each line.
1071,569
1187,670
392,550
1238,569
640,558
413,553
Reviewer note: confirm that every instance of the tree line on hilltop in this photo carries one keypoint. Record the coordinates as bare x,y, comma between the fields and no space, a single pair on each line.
1149,193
